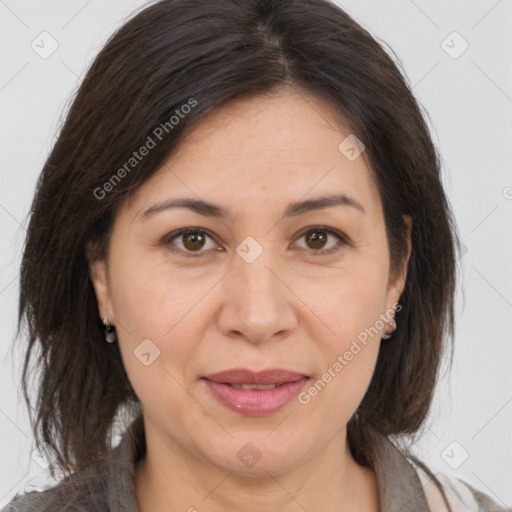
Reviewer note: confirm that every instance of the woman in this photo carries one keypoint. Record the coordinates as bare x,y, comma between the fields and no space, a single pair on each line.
240,240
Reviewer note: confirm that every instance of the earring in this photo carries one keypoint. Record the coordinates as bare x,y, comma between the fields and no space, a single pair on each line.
110,333
387,336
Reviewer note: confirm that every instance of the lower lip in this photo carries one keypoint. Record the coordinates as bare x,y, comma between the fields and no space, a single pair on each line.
255,402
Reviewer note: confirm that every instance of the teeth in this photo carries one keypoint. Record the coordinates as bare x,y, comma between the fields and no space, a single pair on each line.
260,387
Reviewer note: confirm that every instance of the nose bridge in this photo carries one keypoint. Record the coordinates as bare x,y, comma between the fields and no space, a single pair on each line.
258,306
258,284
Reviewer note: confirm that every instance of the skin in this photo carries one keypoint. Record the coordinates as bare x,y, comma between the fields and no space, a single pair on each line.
289,309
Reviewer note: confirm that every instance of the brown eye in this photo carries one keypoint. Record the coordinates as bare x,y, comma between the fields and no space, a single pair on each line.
317,237
193,241
190,240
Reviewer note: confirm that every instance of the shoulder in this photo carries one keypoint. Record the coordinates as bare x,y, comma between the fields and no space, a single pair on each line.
106,484
84,491
461,496
36,501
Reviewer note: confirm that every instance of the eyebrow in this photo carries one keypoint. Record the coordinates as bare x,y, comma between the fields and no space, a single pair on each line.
214,210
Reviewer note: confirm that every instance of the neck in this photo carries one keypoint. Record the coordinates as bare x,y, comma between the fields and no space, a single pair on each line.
169,478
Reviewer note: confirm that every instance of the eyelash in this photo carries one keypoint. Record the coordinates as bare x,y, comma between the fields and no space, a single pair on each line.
318,252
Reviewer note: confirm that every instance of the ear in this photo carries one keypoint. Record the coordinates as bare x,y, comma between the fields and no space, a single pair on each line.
397,284
98,272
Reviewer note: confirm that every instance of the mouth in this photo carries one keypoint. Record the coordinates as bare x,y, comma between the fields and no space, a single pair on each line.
255,393
245,376
259,387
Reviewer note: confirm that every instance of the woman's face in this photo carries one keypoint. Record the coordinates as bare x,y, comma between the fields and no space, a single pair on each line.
249,289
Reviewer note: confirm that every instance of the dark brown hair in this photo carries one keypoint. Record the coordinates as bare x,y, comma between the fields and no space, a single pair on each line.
174,53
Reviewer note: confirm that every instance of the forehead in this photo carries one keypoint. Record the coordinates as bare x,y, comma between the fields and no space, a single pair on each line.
262,150
284,122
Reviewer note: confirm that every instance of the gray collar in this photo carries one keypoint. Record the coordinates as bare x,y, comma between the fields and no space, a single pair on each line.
399,486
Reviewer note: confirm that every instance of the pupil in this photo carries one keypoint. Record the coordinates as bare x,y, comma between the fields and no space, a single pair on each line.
316,239
195,239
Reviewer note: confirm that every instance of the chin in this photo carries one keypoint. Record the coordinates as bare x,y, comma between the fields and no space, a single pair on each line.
257,458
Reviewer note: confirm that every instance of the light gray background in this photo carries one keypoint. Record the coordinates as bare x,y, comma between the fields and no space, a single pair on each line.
469,99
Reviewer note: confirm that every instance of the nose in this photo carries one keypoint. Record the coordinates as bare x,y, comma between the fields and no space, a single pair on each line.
258,305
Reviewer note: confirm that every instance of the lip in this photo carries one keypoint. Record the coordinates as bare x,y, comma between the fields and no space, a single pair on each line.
255,402
247,376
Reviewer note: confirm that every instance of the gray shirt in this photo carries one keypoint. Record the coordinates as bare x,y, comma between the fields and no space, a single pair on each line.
109,485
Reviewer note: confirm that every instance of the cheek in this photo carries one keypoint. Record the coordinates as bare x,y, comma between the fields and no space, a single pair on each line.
150,296
348,353
351,308
150,304
350,301
161,310
362,300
